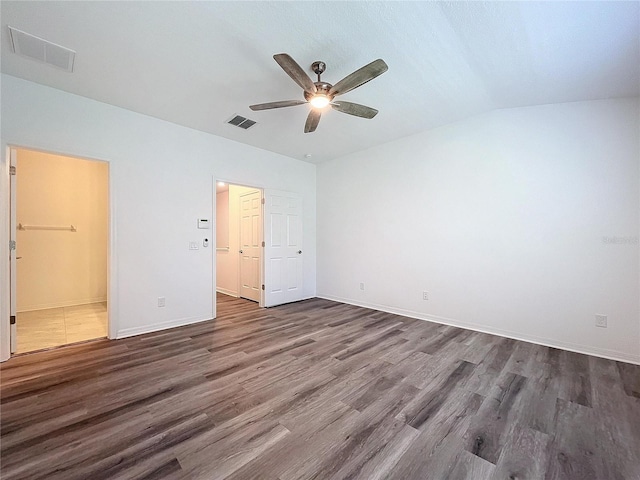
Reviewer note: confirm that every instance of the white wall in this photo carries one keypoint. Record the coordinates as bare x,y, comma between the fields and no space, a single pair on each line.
60,268
228,264
161,183
502,218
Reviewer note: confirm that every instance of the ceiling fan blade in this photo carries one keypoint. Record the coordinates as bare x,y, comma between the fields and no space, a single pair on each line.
354,109
296,72
270,105
312,121
359,77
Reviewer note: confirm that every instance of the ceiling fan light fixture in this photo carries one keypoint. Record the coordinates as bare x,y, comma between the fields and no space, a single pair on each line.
319,101
321,94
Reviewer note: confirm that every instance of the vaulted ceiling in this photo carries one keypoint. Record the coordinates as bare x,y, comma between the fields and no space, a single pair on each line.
199,63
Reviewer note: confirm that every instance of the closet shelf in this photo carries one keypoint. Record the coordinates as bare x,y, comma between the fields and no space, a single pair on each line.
70,228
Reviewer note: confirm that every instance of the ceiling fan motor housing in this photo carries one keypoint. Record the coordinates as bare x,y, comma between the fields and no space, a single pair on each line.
322,88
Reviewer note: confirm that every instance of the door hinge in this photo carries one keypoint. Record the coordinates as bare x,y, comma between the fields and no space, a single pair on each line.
12,319
263,243
12,245
263,286
12,170
263,202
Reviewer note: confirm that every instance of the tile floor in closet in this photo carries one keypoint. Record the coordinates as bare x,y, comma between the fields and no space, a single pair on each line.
40,329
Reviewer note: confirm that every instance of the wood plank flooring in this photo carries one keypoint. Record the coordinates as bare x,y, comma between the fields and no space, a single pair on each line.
317,390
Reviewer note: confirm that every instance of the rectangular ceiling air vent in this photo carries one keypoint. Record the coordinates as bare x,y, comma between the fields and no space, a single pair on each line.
42,50
242,122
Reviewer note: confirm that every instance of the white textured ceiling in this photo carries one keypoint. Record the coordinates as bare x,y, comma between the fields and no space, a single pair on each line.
198,63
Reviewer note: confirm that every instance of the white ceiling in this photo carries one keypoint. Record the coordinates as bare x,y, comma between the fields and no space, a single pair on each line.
198,63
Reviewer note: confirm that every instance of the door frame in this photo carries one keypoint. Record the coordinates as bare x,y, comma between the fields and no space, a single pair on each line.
5,215
13,259
215,257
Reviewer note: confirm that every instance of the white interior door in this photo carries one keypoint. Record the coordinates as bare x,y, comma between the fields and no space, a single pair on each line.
12,249
283,247
250,245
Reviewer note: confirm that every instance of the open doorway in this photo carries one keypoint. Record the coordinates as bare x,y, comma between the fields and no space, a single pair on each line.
239,241
60,222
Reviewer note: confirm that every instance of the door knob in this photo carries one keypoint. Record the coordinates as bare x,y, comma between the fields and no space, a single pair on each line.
241,251
299,252
18,258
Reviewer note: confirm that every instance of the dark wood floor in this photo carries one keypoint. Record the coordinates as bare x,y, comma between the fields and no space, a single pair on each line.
318,390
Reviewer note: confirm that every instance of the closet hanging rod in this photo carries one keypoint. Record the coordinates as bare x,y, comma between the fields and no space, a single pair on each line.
71,228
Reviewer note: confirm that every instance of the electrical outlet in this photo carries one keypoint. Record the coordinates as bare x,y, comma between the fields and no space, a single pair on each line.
362,286
425,295
601,321
161,301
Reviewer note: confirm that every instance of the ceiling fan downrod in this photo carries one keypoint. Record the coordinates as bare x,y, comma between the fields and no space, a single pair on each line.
322,88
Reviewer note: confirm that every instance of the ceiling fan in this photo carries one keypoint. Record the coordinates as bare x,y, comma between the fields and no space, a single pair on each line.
320,94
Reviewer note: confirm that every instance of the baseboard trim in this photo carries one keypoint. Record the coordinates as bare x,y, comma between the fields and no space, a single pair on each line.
156,327
71,303
546,342
224,291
